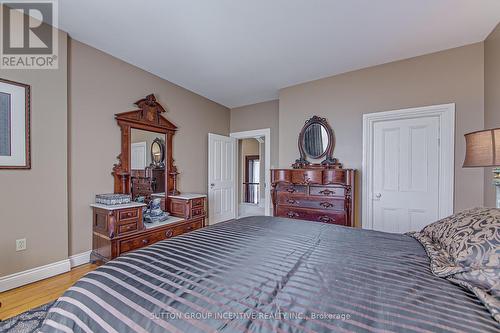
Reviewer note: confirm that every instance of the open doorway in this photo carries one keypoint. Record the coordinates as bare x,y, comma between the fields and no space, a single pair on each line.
252,184
250,177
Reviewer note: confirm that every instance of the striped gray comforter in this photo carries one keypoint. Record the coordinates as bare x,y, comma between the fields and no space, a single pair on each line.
263,274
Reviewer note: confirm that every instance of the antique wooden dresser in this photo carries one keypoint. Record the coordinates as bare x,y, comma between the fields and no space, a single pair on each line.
321,192
322,195
119,229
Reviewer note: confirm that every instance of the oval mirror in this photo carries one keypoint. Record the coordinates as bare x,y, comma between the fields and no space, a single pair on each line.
157,152
316,140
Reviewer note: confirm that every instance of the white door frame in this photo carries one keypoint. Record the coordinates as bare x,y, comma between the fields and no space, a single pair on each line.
265,132
446,115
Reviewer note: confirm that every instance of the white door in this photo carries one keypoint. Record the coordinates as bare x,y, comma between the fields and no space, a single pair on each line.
138,156
221,178
405,174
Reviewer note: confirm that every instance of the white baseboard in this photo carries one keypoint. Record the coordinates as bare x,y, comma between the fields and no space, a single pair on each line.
80,259
35,274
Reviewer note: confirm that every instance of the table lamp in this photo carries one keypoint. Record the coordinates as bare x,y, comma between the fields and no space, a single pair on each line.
483,150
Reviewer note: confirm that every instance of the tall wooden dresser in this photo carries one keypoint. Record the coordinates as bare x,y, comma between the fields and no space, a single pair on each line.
317,194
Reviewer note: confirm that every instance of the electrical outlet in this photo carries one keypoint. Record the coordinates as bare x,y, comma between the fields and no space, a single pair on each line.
21,244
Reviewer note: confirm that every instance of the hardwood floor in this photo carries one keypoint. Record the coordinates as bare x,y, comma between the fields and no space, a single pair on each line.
19,300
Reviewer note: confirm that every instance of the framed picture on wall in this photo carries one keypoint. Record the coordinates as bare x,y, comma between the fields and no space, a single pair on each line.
14,125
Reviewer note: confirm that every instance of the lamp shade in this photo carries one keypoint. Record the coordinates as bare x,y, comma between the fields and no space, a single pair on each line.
482,148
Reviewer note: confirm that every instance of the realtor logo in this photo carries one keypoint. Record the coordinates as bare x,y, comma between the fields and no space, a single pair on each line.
29,35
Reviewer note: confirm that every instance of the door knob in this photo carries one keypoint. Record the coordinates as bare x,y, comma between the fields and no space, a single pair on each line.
378,195
212,185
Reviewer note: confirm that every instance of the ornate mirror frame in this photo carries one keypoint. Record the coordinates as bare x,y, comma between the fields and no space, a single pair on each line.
329,161
160,144
147,118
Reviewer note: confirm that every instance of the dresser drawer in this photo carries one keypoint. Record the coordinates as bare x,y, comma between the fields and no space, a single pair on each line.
126,228
312,215
198,202
307,177
127,214
292,189
327,191
182,229
197,212
144,240
326,203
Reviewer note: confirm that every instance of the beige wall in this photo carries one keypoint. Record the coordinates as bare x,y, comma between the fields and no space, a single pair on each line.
34,202
258,116
100,86
452,76
491,101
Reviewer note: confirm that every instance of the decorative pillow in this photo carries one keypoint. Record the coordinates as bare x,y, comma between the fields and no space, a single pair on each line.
465,248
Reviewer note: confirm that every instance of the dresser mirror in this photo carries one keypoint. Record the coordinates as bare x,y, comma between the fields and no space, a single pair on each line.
158,153
316,141
145,165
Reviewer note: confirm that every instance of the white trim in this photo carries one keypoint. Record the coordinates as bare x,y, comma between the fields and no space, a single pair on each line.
35,274
266,132
80,259
446,114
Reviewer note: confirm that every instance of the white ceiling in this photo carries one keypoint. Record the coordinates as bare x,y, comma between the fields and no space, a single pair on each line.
239,52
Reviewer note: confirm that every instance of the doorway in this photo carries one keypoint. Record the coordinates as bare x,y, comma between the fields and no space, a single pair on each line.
226,188
251,177
408,167
253,165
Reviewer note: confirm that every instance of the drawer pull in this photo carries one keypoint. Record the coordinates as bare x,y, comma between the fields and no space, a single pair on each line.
189,228
326,192
292,215
292,201
326,219
326,205
169,233
145,241
291,190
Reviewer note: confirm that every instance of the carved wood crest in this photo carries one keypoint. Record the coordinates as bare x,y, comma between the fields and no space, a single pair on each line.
149,114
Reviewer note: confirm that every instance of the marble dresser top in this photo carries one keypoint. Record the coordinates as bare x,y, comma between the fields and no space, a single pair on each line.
116,207
188,196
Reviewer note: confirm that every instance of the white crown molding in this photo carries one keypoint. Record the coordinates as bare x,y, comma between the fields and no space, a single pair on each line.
32,275
80,259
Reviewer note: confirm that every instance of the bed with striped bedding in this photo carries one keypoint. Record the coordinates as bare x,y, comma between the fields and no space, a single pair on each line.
265,274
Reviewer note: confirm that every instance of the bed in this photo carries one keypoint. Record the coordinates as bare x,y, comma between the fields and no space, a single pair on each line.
267,274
